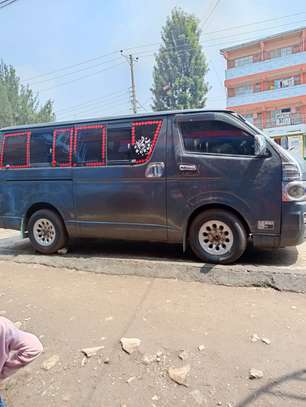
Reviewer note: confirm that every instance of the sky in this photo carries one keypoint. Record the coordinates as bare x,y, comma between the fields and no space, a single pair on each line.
69,50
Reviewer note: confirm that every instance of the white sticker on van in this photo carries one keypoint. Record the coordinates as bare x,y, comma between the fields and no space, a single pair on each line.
265,225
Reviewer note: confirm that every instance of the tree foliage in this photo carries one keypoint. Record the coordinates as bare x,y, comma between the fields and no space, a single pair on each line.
18,103
180,65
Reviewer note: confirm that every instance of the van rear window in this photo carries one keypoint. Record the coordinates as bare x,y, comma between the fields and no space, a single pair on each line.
16,150
216,137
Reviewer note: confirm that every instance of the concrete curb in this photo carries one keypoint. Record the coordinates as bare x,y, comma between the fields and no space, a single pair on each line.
280,278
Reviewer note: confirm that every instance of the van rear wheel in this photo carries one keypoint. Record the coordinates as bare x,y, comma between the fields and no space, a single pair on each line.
47,232
217,236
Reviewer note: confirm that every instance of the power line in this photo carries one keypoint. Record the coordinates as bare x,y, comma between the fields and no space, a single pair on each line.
211,13
158,43
4,4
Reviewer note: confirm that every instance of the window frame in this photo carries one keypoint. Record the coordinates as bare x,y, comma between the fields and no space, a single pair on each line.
135,124
103,151
57,130
209,117
27,134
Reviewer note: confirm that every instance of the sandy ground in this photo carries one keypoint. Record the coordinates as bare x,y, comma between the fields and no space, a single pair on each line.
70,310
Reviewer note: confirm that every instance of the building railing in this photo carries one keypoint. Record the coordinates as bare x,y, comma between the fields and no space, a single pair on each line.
281,120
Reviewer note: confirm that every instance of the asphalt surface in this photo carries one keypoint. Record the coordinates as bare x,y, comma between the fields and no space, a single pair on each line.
70,310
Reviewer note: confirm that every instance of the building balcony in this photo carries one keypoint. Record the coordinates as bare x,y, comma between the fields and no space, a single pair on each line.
266,96
283,124
266,66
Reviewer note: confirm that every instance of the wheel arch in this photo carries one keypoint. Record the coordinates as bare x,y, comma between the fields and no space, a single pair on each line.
206,207
34,208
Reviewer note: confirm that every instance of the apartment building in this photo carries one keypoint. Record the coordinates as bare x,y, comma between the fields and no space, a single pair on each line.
265,81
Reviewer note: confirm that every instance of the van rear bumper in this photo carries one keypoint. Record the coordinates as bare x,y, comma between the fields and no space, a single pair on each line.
293,223
293,228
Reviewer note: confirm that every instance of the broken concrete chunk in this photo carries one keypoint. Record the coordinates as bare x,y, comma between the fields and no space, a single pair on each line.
130,345
183,355
255,338
89,352
62,251
179,374
50,363
266,341
255,374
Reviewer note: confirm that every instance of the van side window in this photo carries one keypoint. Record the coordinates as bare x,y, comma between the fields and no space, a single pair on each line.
144,138
216,137
89,145
62,147
119,143
16,150
41,147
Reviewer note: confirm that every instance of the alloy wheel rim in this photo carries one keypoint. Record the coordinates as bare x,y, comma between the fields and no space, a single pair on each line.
216,237
44,232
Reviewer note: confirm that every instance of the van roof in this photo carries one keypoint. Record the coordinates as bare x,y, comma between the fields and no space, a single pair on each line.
111,118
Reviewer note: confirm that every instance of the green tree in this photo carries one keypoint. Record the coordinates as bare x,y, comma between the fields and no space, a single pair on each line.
18,103
180,65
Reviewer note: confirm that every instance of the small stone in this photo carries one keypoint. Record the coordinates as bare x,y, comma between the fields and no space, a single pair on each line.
62,251
229,405
159,354
89,352
155,398
106,361
66,398
50,363
130,379
84,361
148,359
255,374
255,338
130,345
197,396
267,341
179,374
201,347
183,355
18,324
110,318
219,403
293,307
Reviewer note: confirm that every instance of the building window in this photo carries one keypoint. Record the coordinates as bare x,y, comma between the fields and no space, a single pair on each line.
249,117
244,90
41,147
284,83
281,117
280,52
216,137
89,145
16,150
244,60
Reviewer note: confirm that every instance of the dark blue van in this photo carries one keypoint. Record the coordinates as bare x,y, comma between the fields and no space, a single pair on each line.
207,179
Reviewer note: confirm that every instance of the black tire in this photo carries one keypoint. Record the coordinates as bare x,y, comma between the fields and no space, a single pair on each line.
59,234
236,231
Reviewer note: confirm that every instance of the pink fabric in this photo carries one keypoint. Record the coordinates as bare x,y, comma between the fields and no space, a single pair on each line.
17,348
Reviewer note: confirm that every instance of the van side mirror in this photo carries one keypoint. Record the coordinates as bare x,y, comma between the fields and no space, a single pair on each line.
260,146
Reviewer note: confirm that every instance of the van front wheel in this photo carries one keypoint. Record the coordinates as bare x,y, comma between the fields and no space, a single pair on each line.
47,232
217,236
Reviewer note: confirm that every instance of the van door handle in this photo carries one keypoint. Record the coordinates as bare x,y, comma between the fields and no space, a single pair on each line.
188,168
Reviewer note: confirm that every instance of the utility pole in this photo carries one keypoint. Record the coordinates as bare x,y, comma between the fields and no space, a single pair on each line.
130,59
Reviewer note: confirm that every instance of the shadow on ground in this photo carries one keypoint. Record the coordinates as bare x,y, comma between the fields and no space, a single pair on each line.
149,251
278,389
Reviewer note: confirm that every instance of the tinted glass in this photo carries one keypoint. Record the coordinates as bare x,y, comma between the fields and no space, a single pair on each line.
216,137
41,147
90,145
144,137
119,145
15,150
62,154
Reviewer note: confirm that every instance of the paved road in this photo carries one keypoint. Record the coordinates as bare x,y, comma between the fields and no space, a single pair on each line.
70,310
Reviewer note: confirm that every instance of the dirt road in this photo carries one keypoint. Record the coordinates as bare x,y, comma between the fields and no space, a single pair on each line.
71,310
